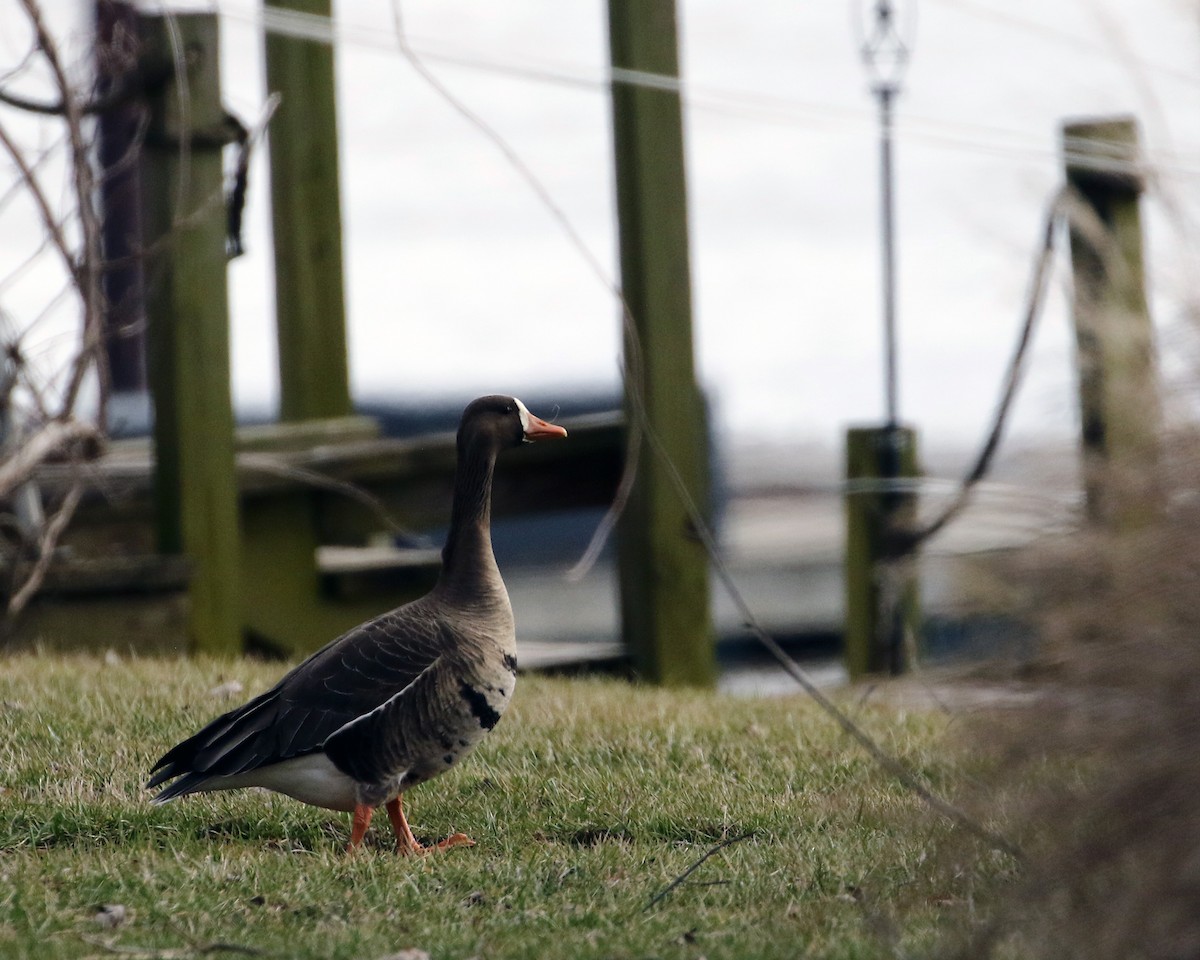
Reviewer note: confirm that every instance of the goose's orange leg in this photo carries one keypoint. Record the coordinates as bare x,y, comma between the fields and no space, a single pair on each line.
406,843
358,829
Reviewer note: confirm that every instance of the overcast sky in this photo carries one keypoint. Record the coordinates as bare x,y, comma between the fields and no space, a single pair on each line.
461,282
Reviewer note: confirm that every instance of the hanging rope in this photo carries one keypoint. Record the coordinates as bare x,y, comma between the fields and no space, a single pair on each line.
904,542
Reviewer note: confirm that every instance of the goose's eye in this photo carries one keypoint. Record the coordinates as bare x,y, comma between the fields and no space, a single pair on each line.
510,409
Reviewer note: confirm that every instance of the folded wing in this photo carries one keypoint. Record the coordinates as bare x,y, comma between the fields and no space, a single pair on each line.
345,680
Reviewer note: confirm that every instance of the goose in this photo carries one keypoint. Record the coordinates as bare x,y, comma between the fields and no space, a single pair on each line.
398,699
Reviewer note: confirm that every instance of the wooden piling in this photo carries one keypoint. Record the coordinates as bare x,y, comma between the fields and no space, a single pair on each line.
665,613
307,220
117,133
882,608
183,232
1120,410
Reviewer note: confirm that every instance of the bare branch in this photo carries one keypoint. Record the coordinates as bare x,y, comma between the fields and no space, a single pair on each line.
132,154
16,272
40,200
131,87
87,272
47,544
41,445
20,66
18,183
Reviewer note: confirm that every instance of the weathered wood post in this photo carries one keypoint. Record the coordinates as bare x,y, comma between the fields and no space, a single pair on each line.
307,218
663,567
1120,410
183,232
117,133
882,609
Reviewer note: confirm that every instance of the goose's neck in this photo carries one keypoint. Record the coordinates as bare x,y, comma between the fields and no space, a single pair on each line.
468,550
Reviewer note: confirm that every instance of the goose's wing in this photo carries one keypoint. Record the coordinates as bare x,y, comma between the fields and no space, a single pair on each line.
345,680
407,725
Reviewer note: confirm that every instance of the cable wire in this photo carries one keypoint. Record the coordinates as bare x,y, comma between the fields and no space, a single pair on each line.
762,107
638,427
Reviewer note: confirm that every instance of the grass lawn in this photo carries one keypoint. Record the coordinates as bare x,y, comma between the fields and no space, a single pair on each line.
588,799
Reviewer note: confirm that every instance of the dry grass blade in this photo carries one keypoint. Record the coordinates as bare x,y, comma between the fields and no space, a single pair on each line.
662,894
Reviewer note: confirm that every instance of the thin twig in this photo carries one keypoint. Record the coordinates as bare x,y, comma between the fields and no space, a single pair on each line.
42,157
118,95
694,867
885,760
40,201
132,155
51,438
215,198
184,105
890,764
638,427
265,463
20,66
47,544
87,269
631,365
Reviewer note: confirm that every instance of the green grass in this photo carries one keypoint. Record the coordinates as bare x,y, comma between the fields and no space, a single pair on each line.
589,798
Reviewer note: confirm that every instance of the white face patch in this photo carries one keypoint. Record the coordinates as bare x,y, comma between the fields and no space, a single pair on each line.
521,409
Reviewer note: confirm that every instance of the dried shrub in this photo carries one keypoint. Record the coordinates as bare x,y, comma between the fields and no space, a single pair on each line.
1099,782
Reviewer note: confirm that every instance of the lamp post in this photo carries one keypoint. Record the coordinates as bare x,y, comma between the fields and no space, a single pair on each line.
881,592
885,54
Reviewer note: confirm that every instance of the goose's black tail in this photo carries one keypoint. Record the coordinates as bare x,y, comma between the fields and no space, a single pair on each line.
230,744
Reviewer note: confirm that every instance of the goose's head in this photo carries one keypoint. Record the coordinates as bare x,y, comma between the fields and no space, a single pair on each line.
505,421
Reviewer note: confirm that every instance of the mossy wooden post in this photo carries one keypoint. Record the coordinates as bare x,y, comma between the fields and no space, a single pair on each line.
882,610
183,231
307,221
663,567
1120,412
